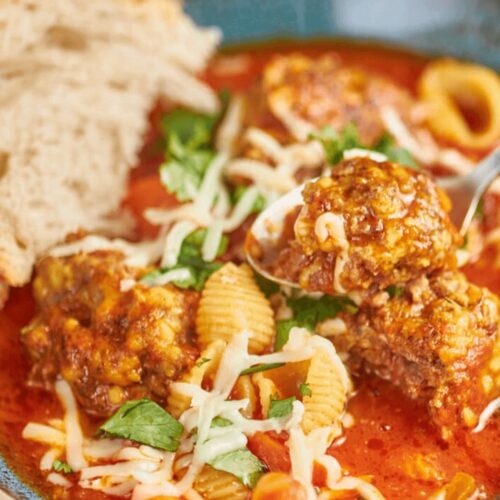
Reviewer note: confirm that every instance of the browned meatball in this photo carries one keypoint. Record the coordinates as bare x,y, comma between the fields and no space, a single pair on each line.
110,345
438,340
321,91
368,225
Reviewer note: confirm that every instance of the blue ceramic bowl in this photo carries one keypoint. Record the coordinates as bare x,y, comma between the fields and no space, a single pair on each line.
468,29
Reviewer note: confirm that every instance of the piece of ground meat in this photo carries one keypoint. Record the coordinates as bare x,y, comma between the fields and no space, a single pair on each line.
110,345
368,225
438,340
321,91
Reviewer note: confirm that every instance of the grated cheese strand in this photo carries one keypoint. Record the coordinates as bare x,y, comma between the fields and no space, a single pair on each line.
173,243
74,435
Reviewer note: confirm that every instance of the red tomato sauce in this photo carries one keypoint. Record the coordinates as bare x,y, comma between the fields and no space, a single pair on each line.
389,430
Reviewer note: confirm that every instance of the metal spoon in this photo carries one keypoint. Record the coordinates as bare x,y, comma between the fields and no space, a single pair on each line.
464,191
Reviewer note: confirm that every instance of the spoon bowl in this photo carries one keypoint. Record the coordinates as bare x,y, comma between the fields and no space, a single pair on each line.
464,191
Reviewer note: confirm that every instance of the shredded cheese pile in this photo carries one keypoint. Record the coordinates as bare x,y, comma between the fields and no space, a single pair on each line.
147,472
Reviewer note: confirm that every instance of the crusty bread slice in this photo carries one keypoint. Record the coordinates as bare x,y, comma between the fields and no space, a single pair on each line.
77,79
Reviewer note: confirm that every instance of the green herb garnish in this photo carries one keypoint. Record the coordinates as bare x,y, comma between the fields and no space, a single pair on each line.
261,368
335,144
305,390
389,148
61,466
395,291
188,137
266,286
238,192
190,259
220,422
202,361
279,408
241,463
145,422
308,312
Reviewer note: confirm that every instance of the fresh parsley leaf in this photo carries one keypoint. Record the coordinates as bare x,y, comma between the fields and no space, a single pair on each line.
479,213
220,422
308,311
145,422
305,390
261,368
335,143
389,148
258,205
60,466
241,463
190,259
183,171
395,291
202,361
193,129
266,286
280,407
283,327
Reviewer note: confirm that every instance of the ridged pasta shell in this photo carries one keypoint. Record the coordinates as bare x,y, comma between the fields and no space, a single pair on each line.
232,302
207,363
218,485
267,390
328,396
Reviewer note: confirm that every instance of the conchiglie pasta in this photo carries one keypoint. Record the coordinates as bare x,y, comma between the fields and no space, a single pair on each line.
244,389
232,302
266,389
325,405
206,364
463,101
218,485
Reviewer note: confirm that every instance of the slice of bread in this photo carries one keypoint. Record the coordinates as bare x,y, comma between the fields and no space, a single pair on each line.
77,79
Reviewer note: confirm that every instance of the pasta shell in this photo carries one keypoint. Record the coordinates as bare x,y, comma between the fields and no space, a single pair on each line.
452,90
206,364
326,403
232,302
218,485
267,390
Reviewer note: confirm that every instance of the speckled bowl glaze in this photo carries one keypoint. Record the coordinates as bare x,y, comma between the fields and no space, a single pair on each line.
468,29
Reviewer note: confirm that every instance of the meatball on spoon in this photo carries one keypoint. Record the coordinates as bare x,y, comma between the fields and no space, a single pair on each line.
377,217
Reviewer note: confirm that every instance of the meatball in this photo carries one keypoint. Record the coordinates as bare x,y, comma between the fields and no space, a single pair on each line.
304,91
110,345
437,340
368,225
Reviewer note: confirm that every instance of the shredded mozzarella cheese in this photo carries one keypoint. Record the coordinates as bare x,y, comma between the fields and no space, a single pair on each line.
486,414
74,435
174,240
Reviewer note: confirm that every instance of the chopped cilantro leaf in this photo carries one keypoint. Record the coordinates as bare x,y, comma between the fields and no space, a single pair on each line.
220,422
261,368
305,390
308,311
335,144
60,466
395,291
190,258
202,361
145,422
283,327
388,147
280,407
266,286
188,137
241,463
240,190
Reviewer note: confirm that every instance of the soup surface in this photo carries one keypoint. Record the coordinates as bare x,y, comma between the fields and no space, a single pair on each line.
392,441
